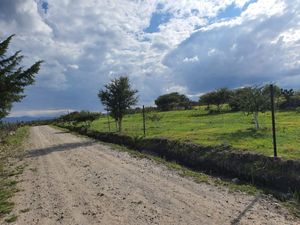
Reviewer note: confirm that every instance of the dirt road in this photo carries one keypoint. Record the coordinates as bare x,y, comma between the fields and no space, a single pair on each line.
72,180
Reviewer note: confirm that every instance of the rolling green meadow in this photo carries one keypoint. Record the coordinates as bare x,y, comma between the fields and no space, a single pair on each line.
231,128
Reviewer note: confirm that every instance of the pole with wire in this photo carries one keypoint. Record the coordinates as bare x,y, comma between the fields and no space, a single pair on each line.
273,121
144,121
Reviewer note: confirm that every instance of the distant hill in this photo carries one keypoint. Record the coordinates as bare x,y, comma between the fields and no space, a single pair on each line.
27,118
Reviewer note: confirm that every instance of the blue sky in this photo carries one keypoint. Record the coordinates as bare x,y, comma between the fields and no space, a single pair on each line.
187,46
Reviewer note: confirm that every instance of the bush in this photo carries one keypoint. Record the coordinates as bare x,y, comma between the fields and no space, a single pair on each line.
154,117
77,117
7,129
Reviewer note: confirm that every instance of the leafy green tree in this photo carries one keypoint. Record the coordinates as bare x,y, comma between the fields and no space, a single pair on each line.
253,100
117,98
82,116
207,99
218,97
288,96
172,101
13,77
276,92
234,101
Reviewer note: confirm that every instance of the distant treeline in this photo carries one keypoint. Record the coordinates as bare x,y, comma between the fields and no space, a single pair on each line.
285,99
233,99
82,116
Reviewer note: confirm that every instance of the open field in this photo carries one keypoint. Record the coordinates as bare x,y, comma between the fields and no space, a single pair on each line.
76,180
234,128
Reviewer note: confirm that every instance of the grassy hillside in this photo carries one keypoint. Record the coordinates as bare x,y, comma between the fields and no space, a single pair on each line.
235,129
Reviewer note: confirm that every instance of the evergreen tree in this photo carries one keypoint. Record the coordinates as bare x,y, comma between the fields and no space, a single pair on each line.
13,77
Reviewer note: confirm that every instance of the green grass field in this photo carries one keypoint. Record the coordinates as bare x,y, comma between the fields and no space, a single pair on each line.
232,128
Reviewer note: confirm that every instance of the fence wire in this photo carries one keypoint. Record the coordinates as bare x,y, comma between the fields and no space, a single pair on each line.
230,128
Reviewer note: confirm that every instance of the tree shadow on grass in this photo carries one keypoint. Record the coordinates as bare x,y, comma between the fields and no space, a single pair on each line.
207,114
244,134
59,148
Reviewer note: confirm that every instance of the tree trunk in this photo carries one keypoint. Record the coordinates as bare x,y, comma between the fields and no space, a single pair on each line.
255,119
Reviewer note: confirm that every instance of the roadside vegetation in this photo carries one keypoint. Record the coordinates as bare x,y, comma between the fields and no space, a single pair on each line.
11,152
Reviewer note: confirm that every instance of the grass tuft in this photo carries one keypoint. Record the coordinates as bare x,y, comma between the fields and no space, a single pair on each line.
11,218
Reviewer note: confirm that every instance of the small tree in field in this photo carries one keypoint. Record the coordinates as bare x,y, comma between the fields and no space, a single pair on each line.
172,101
207,99
13,77
253,100
218,97
117,98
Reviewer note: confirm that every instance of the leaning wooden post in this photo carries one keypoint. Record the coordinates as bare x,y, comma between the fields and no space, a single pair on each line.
273,121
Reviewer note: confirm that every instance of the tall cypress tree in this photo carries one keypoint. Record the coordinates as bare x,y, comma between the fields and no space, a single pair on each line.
13,77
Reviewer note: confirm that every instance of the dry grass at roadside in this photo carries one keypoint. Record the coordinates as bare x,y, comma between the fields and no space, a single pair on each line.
11,152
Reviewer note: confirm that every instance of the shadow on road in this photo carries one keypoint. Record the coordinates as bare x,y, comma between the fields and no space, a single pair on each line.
59,148
61,132
237,220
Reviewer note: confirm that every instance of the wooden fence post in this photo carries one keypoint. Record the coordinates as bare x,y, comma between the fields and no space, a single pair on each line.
144,121
273,121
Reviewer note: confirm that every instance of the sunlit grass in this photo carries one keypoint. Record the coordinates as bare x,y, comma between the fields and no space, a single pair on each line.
234,128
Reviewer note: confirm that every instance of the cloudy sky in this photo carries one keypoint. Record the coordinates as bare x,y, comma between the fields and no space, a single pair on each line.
189,46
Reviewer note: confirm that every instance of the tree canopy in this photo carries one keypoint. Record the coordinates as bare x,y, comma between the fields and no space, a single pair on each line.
13,77
171,101
253,100
117,97
217,97
81,116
